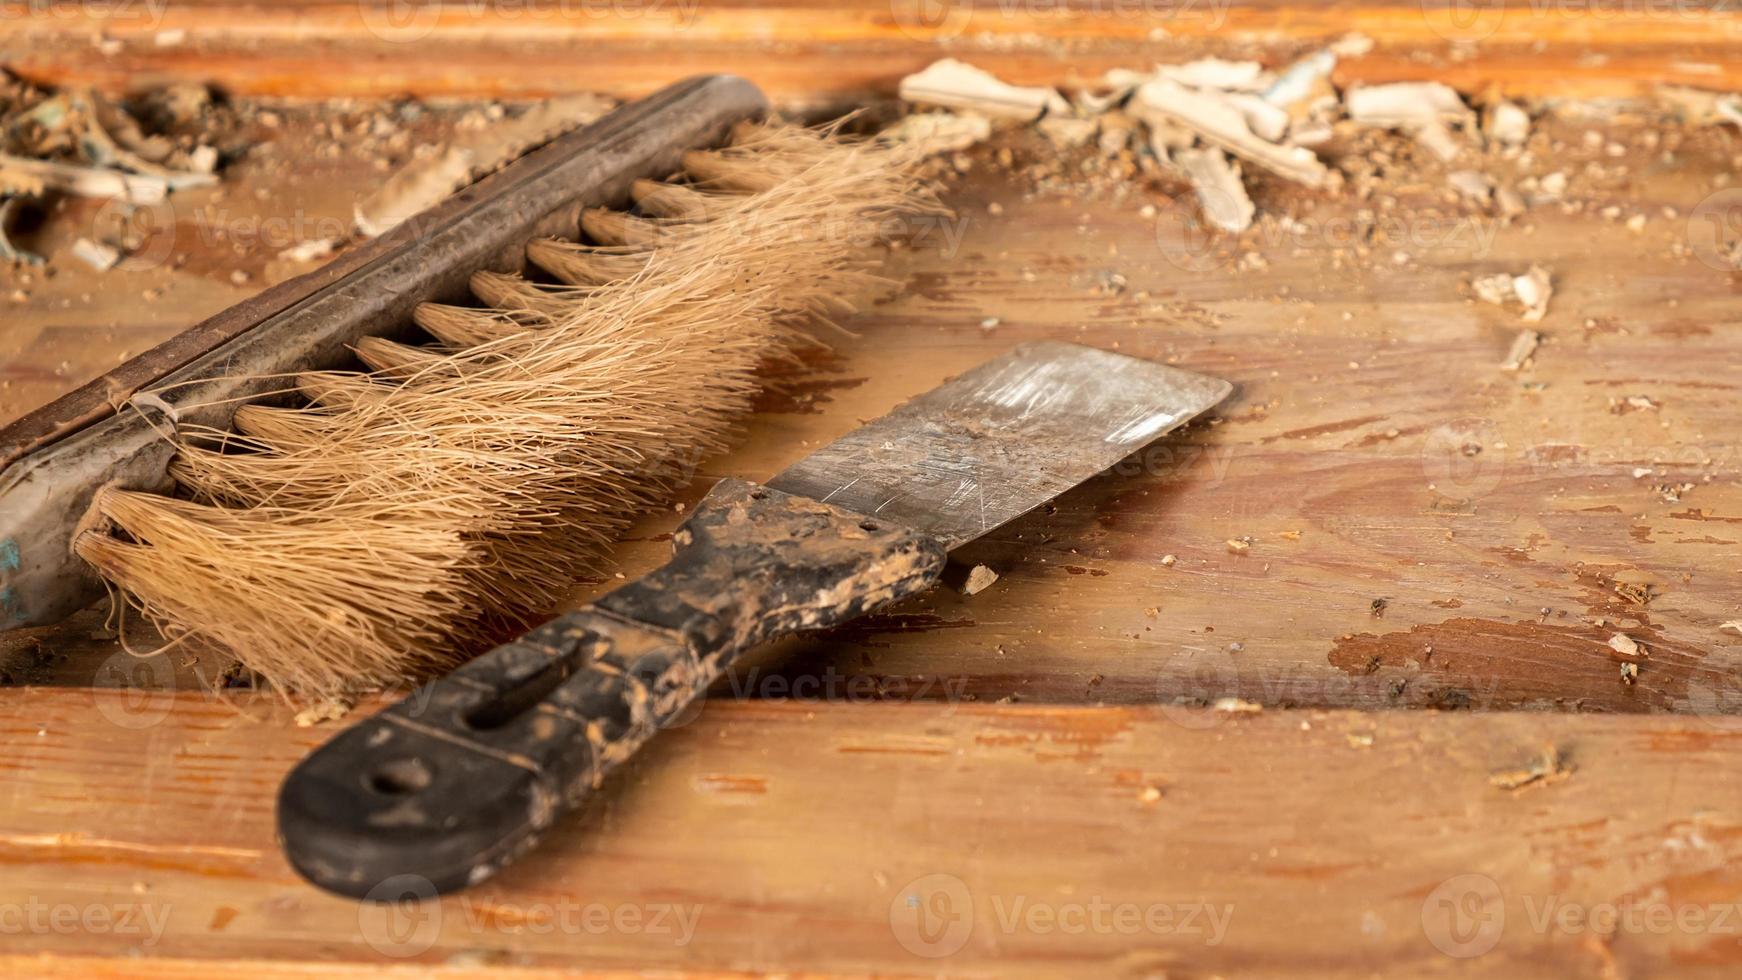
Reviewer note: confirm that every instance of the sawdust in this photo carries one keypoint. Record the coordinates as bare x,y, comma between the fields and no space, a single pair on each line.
1547,769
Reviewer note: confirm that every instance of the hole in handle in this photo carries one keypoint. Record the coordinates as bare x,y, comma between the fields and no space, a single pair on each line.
515,701
398,777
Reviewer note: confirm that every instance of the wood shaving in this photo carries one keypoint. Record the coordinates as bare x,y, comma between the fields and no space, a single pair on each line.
1404,104
1216,182
1523,346
83,181
940,132
980,578
957,85
102,258
1507,124
1532,290
428,182
316,248
1626,646
1220,122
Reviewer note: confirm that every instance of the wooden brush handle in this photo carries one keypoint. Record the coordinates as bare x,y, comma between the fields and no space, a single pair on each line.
457,780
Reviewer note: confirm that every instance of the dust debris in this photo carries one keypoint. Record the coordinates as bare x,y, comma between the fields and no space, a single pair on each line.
1671,493
1239,546
99,257
1629,673
1633,403
1238,706
314,248
1545,770
487,146
1376,608
1532,290
1635,592
136,151
980,578
1523,346
1359,740
940,132
1150,794
1506,124
1626,646
1168,561
330,709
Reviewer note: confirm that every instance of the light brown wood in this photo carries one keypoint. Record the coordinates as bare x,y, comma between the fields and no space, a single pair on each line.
813,51
1365,380
792,835
1363,384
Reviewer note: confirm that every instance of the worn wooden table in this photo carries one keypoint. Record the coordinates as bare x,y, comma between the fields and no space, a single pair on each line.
1030,780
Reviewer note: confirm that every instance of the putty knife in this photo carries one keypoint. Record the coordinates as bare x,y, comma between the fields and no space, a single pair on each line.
456,781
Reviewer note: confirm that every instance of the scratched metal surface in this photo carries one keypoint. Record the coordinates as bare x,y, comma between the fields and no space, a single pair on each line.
1002,439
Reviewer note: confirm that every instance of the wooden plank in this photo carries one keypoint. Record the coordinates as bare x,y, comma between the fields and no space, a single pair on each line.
792,835
815,51
1467,550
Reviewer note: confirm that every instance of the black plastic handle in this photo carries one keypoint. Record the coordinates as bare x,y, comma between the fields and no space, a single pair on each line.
459,779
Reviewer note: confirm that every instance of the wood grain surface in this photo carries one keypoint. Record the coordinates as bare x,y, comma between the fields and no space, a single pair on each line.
1421,530
821,51
1374,450
972,840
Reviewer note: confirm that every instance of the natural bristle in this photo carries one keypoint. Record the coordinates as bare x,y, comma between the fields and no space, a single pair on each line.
407,517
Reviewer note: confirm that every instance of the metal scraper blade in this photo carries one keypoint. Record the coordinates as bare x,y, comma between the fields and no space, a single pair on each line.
1002,439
